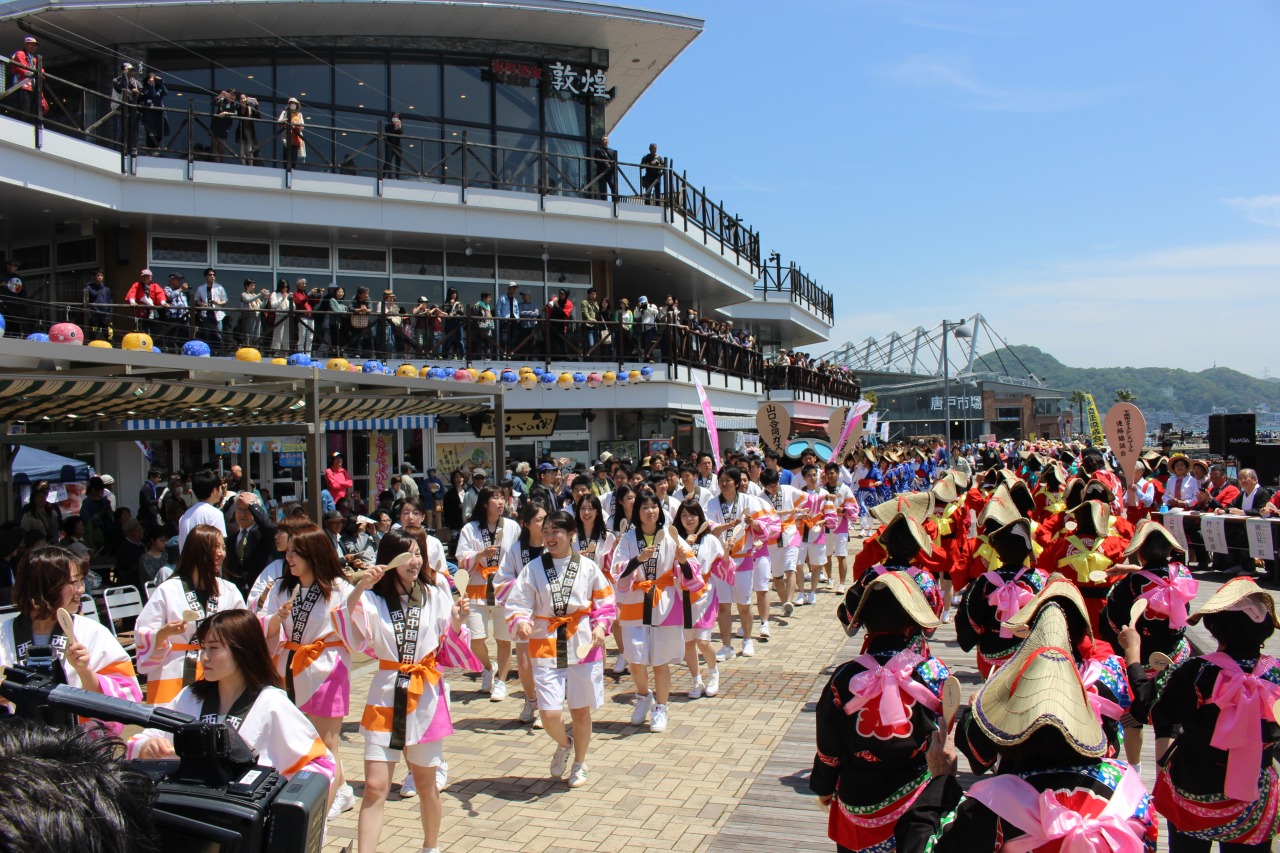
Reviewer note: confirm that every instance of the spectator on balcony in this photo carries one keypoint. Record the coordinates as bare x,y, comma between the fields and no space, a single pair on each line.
559,313
482,311
97,297
626,322
226,106
247,128
589,309
278,309
646,323
652,167
428,326
177,315
126,92
293,125
455,315
360,319
252,300
671,330
508,314
333,314
147,296
23,67
606,169
303,305
154,119
393,136
211,297
528,322
391,321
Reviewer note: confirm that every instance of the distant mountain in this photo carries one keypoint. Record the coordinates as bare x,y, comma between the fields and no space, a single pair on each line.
1155,388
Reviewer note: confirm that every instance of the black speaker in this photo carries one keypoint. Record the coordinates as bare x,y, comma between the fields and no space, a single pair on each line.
1233,435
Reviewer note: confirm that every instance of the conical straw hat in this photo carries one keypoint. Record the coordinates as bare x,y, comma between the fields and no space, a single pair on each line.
917,505
1239,594
907,593
1059,590
1146,529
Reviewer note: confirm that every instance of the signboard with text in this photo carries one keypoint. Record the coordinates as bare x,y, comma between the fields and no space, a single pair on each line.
522,424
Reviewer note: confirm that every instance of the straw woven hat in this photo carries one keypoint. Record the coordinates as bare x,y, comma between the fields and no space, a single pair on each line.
1096,490
902,531
917,505
1054,476
906,592
1242,594
993,477
1179,457
1040,687
1012,540
962,480
1074,494
870,454
1020,492
1097,511
1146,529
1059,590
945,490
1000,509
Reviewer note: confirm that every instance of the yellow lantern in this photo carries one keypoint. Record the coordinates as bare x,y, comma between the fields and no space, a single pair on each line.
248,354
279,361
339,364
407,370
100,344
137,342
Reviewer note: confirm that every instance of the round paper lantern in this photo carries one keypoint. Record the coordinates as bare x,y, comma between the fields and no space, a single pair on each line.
546,380
609,378
387,371
300,359
593,380
565,381
248,354
528,381
463,375
66,333
1,324
646,373
338,364
579,380
371,366
407,370
38,336
353,368
623,378
449,371
508,377
100,344
634,376
137,342
196,349
279,360
155,349
437,373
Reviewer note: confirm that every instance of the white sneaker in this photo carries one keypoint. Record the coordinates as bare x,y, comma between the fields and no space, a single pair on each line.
957,599
788,608
578,776
725,653
442,775
659,721
486,681
738,632
801,599
408,788
748,648
764,631
698,688
528,711
641,709
537,720
620,665
343,801
823,577
499,691
560,760
811,598
840,590
713,683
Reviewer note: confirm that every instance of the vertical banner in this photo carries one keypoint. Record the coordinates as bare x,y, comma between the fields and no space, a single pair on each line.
1213,530
872,420
1096,434
1261,545
710,418
379,464
1062,428
884,431
1173,521
853,420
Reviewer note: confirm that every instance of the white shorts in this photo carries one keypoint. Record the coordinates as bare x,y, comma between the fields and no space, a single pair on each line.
813,553
581,683
724,589
697,634
782,560
652,645
488,620
430,754
747,582
839,544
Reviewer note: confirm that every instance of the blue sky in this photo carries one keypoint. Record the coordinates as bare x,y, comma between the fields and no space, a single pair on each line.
1100,180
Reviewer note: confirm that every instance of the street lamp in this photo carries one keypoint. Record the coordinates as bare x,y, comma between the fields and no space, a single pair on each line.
948,328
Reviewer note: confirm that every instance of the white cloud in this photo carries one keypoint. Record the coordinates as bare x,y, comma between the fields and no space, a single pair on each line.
953,76
1262,209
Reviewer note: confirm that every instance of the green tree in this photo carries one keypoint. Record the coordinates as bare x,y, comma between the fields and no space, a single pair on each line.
1125,396
1078,398
870,397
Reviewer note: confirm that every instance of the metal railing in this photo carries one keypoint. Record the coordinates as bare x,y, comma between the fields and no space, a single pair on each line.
136,128
802,290
460,336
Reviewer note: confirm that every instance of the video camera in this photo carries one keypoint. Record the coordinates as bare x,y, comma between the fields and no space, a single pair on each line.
214,798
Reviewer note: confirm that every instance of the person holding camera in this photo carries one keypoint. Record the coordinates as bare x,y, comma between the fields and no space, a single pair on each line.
50,579
151,100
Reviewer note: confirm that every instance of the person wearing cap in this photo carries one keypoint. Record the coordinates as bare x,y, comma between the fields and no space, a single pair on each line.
1181,490
337,479
546,490
292,125
997,595
147,296
1217,782
876,715
646,328
25,64
126,93
1037,712
1088,550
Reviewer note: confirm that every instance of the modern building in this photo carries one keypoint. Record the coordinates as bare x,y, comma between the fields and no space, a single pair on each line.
492,186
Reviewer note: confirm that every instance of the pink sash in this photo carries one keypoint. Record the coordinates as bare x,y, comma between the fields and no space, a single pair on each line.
1045,819
1170,597
1007,599
888,683
1243,701
1102,707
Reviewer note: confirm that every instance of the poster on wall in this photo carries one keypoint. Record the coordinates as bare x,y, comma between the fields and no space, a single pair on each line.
379,463
650,446
618,448
464,456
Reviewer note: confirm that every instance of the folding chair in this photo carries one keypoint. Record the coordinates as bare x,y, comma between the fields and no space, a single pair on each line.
123,604
149,589
89,607
7,612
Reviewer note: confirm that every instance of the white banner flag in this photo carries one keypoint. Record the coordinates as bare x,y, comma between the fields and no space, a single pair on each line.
872,420
1213,530
884,431
1261,545
1173,521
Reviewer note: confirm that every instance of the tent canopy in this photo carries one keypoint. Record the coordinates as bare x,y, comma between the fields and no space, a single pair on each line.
31,464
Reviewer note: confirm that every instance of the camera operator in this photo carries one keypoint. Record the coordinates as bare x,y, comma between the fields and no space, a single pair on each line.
242,688
51,578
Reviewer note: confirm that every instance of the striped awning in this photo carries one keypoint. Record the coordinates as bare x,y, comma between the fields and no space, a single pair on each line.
407,422
733,423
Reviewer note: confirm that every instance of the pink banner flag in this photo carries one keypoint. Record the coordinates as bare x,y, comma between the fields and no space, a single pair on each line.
710,417
855,415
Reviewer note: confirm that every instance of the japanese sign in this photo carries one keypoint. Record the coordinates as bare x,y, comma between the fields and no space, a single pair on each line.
585,81
292,454
465,456
774,424
515,73
1173,521
1213,530
521,424
1125,429
936,404
379,464
1261,545
1095,422
618,448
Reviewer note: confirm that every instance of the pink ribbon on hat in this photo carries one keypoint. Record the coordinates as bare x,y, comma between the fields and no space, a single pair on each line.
1102,706
1170,597
1243,700
1007,599
888,683
1045,819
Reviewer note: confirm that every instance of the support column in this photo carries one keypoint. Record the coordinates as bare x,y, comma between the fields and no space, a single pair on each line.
313,471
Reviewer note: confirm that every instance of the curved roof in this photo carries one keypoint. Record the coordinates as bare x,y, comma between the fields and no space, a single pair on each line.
641,43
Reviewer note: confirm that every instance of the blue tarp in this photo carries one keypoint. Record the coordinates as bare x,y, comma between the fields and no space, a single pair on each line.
31,464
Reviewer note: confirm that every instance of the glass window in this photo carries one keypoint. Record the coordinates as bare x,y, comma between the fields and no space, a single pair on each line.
466,94
566,115
362,260
32,257
415,89
480,168
469,291
244,253
520,269
517,105
351,283
421,147
244,73
305,78
568,272
298,257
361,84
357,141
475,266
518,160
319,137
180,250
408,290
78,252
567,168
417,262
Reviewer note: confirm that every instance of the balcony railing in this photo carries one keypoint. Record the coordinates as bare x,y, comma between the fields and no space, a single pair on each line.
134,130
777,281
463,336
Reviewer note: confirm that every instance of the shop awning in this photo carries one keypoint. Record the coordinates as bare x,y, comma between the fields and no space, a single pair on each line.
732,423
407,422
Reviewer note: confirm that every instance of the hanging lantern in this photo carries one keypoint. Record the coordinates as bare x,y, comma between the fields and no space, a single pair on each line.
546,380
634,376
66,333
579,380
278,360
248,354
488,377
100,344
196,349
609,378
646,373
623,378
137,342
339,364
38,336
407,370
528,381
371,366
508,378
593,380
300,359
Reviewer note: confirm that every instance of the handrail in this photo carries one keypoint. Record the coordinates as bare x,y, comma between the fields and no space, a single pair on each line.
467,338
135,130
776,278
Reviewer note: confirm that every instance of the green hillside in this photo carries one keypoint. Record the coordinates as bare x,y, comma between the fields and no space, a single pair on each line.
1155,388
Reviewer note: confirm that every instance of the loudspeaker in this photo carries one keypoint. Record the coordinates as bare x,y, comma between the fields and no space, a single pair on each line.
1233,435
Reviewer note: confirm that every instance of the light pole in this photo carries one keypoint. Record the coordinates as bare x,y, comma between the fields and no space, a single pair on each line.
961,332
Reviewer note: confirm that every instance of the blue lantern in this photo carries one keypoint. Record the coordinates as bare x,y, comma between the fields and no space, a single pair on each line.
387,371
449,371
622,378
508,377
579,380
547,379
196,349
646,373
371,366
155,349
300,359
38,336
436,373
1,324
